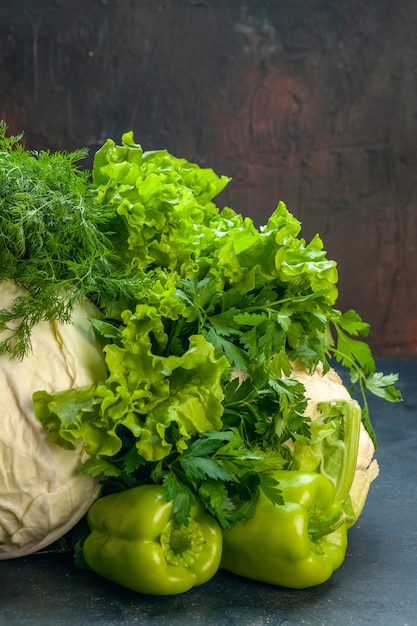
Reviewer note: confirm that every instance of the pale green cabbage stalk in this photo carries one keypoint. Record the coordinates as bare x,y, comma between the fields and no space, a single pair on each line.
42,492
329,387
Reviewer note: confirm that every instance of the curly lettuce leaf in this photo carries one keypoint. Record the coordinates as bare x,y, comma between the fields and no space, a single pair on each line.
161,400
165,203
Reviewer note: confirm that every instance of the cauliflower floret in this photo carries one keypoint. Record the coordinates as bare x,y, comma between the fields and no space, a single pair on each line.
42,492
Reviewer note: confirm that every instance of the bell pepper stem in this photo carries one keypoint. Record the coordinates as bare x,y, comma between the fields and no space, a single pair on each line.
182,544
181,541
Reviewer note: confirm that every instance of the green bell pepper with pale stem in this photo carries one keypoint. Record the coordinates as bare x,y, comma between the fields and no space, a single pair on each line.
297,544
136,541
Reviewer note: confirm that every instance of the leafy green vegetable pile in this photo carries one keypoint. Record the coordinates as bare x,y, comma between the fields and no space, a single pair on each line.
202,315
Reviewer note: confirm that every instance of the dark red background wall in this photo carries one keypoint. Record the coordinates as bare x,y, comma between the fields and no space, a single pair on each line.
311,102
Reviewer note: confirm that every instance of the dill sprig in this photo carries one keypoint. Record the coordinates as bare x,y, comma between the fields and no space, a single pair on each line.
56,240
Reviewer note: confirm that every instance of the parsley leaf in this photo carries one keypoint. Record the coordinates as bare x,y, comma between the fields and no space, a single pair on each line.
382,385
181,495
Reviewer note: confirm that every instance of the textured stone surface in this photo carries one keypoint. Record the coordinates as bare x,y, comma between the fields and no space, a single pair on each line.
313,103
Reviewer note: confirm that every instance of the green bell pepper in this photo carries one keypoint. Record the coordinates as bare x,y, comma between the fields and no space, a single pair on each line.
136,541
297,544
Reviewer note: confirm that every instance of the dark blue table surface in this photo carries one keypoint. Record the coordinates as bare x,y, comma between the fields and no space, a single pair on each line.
377,583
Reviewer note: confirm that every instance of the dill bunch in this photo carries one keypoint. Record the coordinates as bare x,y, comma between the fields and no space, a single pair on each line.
56,241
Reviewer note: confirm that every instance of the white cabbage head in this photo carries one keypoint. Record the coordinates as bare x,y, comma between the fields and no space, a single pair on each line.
42,492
